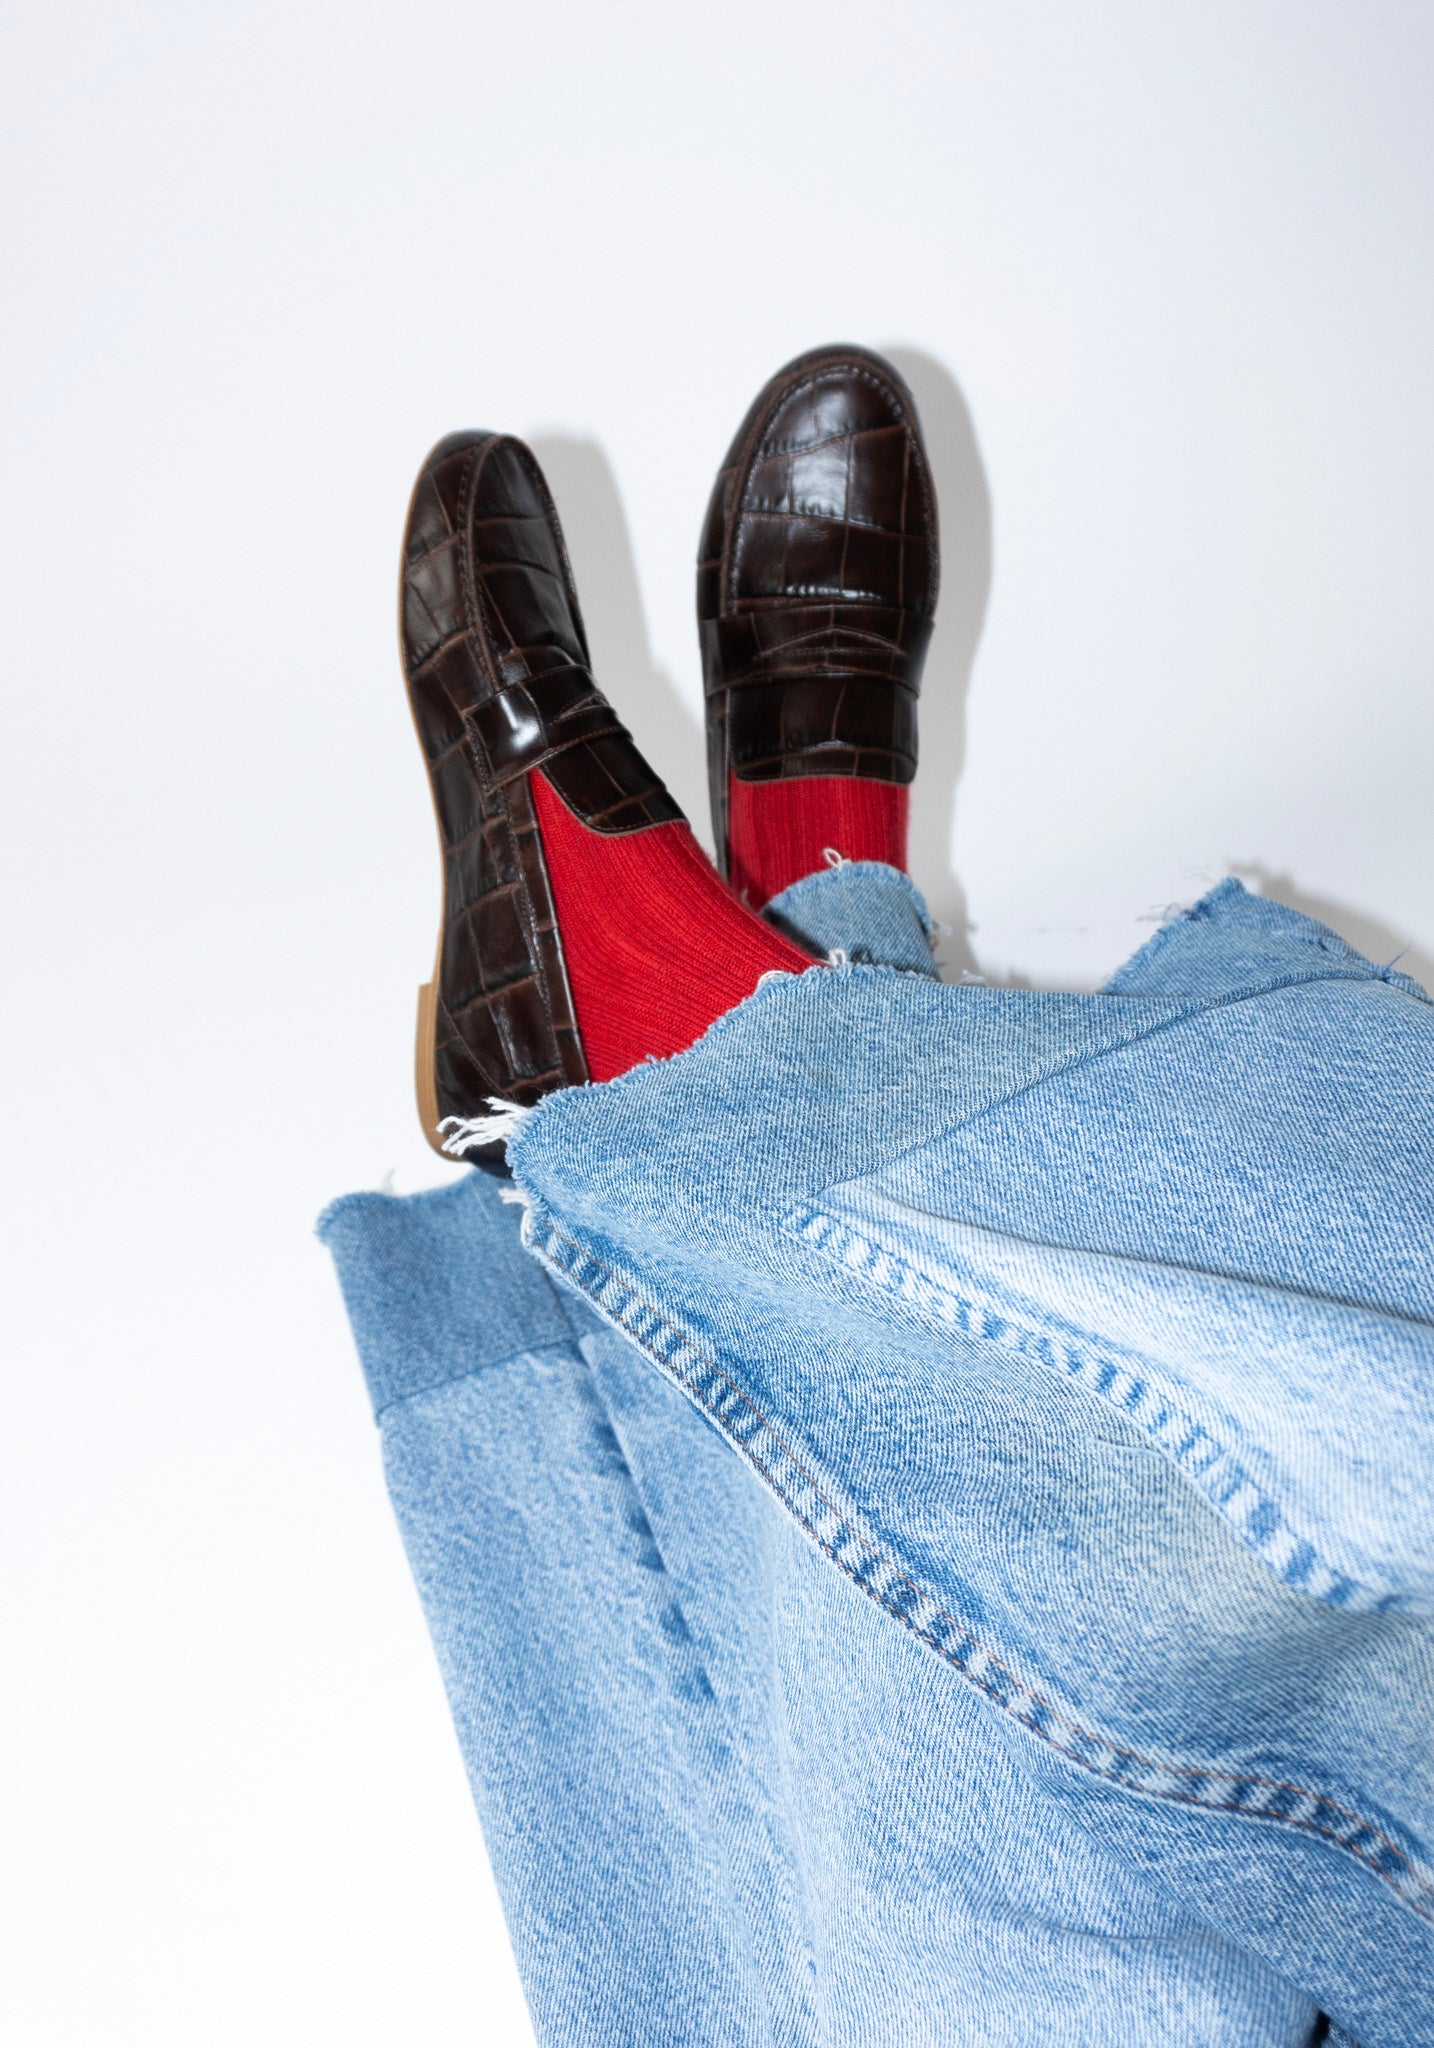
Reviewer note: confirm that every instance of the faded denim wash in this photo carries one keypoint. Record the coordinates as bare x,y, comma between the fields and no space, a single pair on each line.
950,1562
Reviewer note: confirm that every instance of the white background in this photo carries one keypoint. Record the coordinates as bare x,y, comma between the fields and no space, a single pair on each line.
1161,278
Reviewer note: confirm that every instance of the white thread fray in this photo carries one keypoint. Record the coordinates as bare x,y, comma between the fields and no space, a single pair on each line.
465,1133
838,957
834,859
773,974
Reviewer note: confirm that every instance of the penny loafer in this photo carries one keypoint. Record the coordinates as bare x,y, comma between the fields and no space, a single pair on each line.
817,579
500,684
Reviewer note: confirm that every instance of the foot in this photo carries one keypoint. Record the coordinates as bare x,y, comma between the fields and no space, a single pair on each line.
583,928
816,593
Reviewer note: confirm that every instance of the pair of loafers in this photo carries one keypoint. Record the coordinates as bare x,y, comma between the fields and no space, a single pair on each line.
816,591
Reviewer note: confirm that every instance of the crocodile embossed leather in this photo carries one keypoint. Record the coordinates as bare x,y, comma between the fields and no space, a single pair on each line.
817,580
498,676
583,927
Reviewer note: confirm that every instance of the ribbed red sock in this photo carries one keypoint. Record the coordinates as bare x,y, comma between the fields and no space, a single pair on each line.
657,946
779,831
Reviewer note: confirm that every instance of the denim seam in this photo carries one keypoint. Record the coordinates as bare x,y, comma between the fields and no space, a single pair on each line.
1257,1519
1200,913
476,1372
952,1639
788,1876
559,1102
543,1113
1193,1009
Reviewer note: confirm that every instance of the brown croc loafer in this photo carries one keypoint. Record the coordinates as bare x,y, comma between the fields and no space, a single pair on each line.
499,681
816,580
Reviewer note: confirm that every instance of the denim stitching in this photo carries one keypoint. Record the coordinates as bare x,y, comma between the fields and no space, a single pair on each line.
727,1738
1193,1448
834,1533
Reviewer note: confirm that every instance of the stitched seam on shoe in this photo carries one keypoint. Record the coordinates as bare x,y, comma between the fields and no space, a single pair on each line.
814,374
830,518
772,451
781,679
969,1658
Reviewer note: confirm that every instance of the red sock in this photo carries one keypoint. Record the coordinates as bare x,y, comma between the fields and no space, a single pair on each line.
657,946
779,831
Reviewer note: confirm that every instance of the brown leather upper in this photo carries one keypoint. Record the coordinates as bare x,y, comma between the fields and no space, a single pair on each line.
817,579
497,667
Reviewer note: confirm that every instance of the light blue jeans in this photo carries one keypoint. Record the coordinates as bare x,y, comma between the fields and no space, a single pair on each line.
926,1509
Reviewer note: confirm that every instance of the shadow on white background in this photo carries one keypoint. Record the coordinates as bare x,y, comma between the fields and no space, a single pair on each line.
661,718
1162,280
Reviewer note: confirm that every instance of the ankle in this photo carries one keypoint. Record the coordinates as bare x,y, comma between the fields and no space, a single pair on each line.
780,831
656,946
